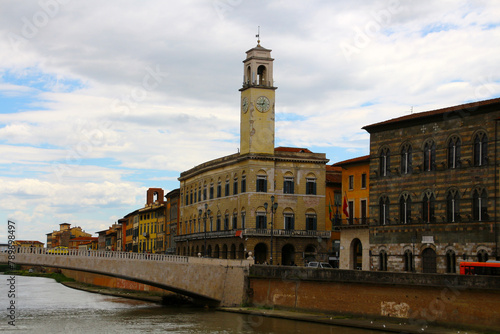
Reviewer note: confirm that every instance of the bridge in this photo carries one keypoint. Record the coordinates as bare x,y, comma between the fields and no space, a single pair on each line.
214,281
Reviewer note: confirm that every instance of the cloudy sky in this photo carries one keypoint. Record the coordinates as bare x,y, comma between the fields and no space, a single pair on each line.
100,100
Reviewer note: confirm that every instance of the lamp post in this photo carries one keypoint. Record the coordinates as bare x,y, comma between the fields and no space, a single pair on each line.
274,207
207,213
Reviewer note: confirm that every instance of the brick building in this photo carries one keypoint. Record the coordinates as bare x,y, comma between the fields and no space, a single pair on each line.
262,199
434,188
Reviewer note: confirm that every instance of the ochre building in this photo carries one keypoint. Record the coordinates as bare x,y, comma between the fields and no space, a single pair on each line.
264,200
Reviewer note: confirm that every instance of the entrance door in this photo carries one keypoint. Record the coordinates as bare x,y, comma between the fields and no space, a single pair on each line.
287,255
429,261
357,254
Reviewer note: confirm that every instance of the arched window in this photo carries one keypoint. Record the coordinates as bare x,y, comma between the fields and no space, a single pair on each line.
261,185
454,145
482,256
429,156
405,208
261,218
408,261
382,260
479,204
453,206
385,163
480,149
288,184
428,206
406,159
451,262
384,210
261,72
235,185
311,220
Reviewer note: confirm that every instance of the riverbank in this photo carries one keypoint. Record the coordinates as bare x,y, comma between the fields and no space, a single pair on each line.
384,325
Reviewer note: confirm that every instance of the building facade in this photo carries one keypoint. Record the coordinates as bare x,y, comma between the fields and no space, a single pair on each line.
354,235
434,188
263,199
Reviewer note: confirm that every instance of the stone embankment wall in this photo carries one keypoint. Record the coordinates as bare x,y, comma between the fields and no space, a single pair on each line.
416,298
110,282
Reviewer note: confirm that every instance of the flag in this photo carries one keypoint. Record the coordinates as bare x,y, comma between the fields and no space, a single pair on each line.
345,206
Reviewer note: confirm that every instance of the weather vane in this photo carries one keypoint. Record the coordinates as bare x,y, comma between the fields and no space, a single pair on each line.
258,35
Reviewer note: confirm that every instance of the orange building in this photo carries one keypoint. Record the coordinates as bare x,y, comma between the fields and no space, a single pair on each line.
75,243
28,243
354,235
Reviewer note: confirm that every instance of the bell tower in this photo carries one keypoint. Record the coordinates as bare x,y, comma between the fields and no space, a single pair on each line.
257,102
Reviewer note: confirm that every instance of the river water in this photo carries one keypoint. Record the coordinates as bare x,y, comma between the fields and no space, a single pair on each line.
44,306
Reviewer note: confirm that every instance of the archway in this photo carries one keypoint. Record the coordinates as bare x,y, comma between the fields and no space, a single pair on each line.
429,261
288,255
357,254
260,253
241,252
216,252
232,253
309,254
209,251
224,251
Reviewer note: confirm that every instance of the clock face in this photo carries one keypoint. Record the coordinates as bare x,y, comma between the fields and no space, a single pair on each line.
262,104
244,104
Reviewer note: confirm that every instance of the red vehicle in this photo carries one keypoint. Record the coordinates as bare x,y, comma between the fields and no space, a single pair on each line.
490,268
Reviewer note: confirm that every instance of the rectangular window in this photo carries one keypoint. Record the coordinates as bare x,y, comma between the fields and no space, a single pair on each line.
191,198
288,185
243,184
219,190
311,222
261,221
226,222
226,189
363,181
351,182
363,211
310,186
243,220
235,221
199,194
235,187
289,221
205,193
211,191
261,183
351,212
218,224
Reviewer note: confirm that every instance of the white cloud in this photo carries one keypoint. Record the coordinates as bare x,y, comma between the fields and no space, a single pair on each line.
97,98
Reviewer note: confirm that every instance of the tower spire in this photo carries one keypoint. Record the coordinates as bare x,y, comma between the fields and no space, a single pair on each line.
258,35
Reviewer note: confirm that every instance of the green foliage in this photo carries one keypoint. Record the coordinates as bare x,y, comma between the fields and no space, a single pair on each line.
57,276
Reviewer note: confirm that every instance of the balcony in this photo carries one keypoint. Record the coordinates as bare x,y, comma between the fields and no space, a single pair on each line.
253,232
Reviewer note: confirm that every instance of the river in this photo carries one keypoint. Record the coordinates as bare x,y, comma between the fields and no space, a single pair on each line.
44,306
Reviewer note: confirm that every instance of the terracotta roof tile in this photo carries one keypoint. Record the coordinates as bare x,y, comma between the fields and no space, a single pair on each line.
364,158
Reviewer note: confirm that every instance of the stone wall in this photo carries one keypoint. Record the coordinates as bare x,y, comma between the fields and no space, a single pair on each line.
416,298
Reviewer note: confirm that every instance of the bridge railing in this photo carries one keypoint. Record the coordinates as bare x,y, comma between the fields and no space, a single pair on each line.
101,254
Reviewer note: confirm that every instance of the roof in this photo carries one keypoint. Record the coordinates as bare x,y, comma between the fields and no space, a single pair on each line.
29,242
462,109
364,158
292,149
84,238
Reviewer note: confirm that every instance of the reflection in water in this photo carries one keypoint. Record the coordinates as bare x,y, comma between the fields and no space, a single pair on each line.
45,306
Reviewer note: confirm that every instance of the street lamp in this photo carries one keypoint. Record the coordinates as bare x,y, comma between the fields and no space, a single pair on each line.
274,207
207,213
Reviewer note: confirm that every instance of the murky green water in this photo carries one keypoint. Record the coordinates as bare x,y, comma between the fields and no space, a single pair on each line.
45,306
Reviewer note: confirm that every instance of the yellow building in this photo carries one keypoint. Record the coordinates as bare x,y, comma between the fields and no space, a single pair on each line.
354,235
151,223
333,211
64,235
263,199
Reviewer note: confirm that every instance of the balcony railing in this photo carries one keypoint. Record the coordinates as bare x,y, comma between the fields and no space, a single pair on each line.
253,232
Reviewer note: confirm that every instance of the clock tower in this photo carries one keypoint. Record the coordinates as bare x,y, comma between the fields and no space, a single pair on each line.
257,102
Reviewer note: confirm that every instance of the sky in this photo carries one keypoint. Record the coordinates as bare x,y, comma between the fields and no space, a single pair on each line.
101,100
